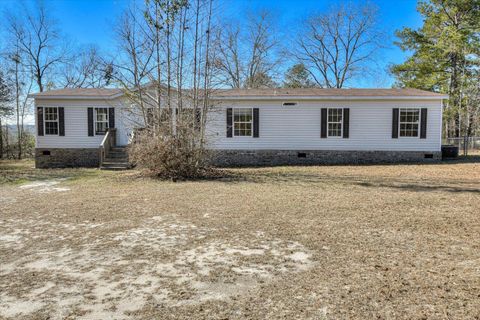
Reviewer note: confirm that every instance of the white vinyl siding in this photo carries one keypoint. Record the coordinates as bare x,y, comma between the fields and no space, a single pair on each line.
281,128
298,128
76,123
76,132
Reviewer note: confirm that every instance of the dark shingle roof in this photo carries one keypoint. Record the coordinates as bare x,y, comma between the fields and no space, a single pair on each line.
320,92
106,93
79,92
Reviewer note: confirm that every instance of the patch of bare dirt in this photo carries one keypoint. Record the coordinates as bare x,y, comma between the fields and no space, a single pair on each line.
349,242
87,272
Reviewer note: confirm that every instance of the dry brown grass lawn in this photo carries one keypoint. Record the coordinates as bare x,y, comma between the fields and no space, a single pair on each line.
346,242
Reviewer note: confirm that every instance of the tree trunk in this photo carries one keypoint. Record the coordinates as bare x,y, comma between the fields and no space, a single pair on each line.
1,139
206,78
454,93
17,101
195,58
7,143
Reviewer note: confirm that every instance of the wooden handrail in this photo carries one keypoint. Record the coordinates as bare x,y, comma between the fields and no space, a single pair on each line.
108,142
105,139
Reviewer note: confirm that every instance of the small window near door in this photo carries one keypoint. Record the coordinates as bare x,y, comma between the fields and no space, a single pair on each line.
51,120
101,120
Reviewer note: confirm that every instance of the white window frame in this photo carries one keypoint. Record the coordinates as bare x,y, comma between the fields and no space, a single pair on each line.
95,121
328,122
233,122
400,121
45,122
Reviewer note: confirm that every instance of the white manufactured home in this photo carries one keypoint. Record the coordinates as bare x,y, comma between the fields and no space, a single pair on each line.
256,126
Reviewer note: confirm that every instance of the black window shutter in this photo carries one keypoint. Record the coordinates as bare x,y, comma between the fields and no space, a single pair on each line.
111,117
256,122
323,121
395,116
346,122
423,124
90,121
61,121
229,122
40,129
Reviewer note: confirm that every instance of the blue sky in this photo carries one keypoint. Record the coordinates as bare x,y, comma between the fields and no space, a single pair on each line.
91,22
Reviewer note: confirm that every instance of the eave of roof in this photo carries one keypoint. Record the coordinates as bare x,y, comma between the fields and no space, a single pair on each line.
259,94
325,94
78,94
306,98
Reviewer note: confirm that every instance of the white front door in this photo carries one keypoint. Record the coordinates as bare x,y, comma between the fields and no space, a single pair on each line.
123,130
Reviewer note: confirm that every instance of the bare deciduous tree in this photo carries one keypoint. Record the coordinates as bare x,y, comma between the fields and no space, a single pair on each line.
85,68
247,58
38,40
6,96
22,85
337,45
165,48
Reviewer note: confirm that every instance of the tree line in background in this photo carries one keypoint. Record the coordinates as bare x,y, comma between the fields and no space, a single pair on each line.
446,58
186,49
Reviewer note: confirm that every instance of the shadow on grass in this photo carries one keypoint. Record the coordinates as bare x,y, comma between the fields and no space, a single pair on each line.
327,180
16,172
462,159
420,187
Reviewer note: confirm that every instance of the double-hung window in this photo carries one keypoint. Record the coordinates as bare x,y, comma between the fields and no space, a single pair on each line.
101,120
242,122
409,122
335,119
51,120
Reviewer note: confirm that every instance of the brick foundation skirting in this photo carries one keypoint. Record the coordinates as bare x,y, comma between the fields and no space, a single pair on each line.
63,157
226,158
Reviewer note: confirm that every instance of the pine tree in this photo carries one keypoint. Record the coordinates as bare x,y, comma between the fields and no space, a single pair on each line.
445,53
298,77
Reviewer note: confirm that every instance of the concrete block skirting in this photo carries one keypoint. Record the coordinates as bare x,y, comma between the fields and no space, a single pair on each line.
226,158
63,157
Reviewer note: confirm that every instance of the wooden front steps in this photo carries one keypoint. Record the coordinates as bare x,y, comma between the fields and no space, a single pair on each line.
116,159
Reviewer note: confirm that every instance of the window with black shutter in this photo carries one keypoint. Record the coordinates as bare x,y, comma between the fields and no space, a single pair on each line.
40,128
229,122
256,122
61,121
51,120
323,122
101,121
335,122
409,122
395,115
346,123
90,121
423,124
